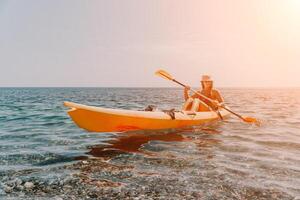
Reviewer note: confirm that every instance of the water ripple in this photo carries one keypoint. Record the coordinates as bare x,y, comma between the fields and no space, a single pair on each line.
229,160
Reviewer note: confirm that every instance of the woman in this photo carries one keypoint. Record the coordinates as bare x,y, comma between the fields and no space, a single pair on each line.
196,103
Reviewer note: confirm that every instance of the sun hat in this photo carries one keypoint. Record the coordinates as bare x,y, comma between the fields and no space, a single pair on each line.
206,78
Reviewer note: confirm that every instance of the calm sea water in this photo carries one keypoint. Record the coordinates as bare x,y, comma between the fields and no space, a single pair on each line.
40,144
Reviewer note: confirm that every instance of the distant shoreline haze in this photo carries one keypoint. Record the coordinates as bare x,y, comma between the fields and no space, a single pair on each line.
34,87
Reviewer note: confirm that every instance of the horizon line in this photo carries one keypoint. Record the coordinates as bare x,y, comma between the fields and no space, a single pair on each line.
246,87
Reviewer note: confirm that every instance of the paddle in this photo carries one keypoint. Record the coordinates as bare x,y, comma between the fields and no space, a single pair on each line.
167,76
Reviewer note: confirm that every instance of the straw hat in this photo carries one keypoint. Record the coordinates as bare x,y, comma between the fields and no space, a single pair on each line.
206,78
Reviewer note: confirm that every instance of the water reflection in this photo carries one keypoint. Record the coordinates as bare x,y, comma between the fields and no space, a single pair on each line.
135,142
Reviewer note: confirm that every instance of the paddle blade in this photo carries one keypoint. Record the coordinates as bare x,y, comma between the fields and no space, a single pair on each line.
164,74
251,120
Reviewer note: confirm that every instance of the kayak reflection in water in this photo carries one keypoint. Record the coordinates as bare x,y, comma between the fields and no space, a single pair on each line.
134,142
197,103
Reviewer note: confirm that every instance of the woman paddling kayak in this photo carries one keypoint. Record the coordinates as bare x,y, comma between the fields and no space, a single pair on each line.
196,103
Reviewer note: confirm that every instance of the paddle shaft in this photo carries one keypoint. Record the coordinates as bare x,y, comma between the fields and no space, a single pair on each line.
179,83
169,77
196,92
209,99
239,116
174,80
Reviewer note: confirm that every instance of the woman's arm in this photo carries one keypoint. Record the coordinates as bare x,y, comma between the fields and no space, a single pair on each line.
186,93
219,97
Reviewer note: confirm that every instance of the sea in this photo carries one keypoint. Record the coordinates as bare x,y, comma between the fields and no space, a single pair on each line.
44,155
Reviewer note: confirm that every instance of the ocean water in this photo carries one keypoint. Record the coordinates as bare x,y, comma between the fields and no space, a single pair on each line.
43,154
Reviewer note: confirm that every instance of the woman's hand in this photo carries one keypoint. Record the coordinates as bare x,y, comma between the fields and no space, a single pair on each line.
187,88
215,104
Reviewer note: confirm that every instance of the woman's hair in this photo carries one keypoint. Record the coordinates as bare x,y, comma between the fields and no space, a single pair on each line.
212,84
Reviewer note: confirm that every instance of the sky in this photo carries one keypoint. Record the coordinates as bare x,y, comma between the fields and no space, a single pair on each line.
117,43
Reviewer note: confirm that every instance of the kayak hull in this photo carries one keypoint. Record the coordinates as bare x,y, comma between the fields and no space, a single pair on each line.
97,119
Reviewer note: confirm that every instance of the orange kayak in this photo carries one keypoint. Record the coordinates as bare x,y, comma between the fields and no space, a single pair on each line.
97,119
